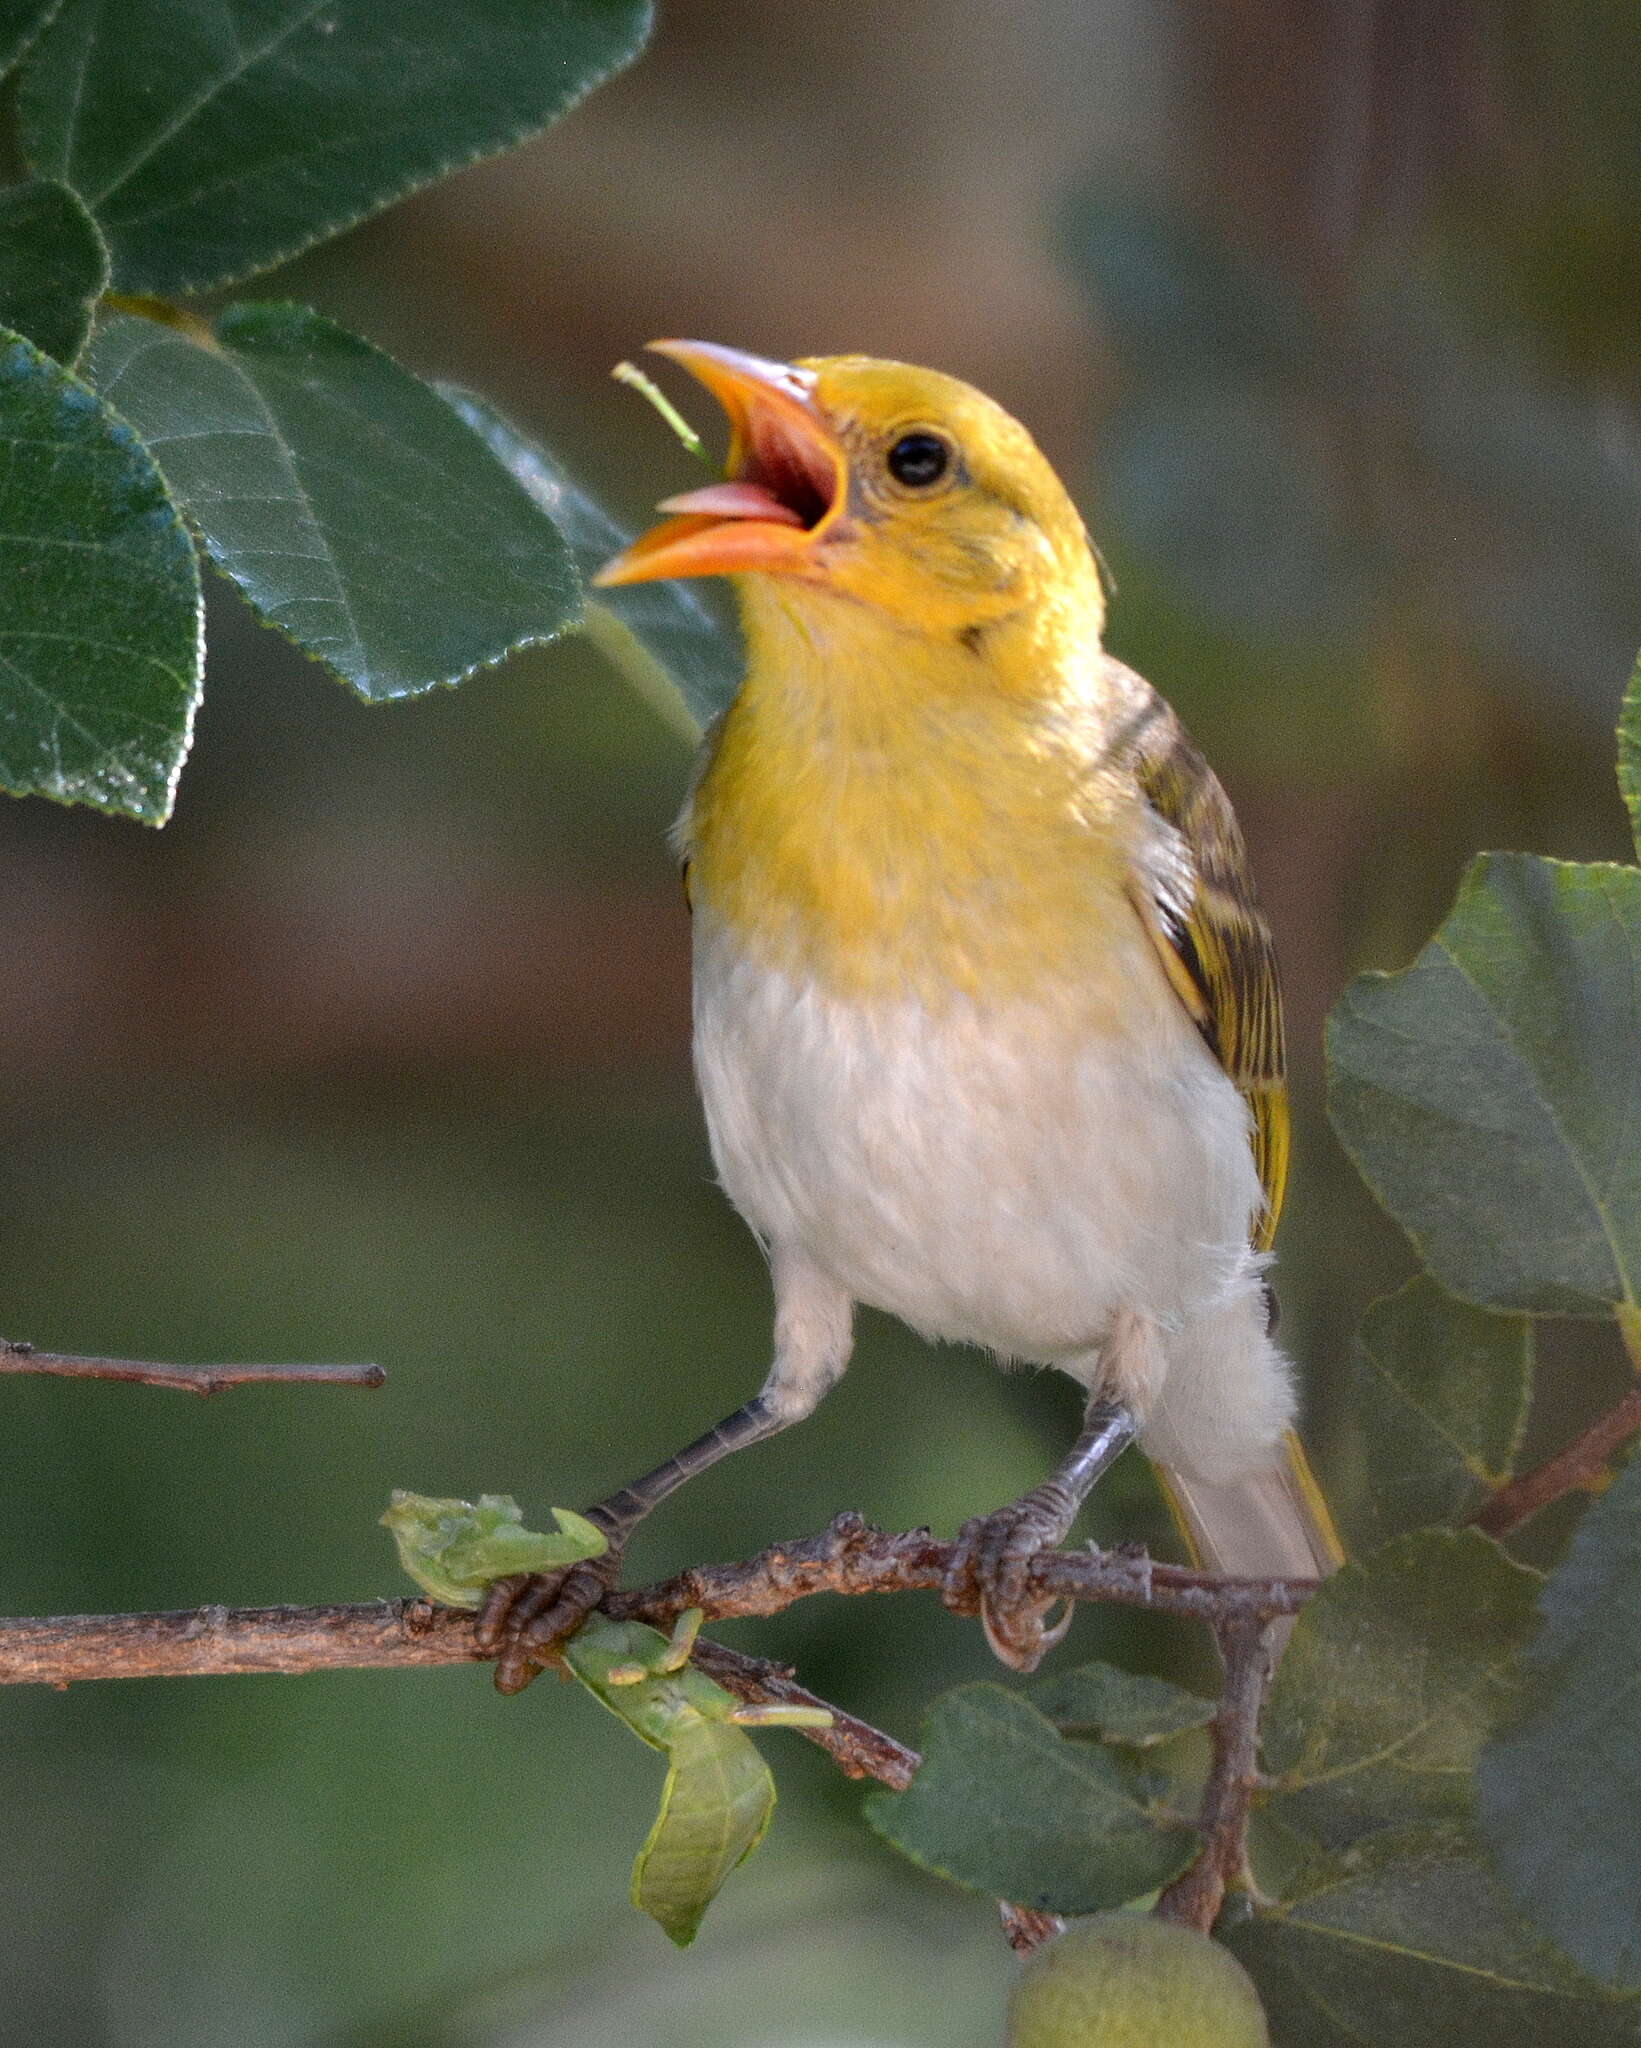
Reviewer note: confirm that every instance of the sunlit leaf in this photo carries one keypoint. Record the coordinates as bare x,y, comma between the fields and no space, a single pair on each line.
719,1796
1559,1792
353,509
53,267
454,1548
1006,1805
1440,1395
100,646
212,138
1491,1092
1411,1945
1395,1674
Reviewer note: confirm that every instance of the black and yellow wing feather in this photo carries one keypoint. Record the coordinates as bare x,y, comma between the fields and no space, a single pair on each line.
1215,944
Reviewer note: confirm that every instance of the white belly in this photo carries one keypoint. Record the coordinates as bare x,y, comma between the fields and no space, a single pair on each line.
1015,1178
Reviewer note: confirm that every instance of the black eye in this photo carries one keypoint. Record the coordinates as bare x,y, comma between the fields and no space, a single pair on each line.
918,460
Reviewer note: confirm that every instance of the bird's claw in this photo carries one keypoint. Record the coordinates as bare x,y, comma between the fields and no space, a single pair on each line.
526,1617
989,1574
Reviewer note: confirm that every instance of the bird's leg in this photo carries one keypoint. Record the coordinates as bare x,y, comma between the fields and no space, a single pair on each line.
993,1552
525,1617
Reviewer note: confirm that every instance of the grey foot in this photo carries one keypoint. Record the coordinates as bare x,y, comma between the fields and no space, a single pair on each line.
989,1573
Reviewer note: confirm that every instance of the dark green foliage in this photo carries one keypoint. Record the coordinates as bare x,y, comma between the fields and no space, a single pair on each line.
20,22
189,143
212,140
1491,1093
53,267
1439,1396
1410,1945
1127,1707
1560,1790
1005,1804
687,635
353,509
1394,1676
100,631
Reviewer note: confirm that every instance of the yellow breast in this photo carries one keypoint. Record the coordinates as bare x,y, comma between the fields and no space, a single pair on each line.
883,814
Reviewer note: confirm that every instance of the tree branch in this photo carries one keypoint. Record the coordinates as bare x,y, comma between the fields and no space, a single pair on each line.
189,1379
848,1557
1195,1896
1582,1464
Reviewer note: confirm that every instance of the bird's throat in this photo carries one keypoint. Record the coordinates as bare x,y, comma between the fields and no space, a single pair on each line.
882,817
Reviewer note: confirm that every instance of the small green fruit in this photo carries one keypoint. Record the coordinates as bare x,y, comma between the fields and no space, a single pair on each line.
1129,1980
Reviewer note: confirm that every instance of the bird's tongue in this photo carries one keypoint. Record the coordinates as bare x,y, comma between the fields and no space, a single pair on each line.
733,501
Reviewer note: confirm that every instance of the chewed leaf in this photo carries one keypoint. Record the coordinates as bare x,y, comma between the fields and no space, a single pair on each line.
454,1548
715,1810
719,1795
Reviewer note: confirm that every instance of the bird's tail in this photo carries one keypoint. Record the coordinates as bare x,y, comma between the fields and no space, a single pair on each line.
1271,1523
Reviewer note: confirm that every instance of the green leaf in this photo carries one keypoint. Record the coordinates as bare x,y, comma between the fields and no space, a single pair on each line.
716,1807
693,666
1393,1678
1003,1804
100,635
20,22
1559,1792
1411,1946
454,1548
719,1796
1491,1092
1440,1394
1126,1707
53,267
213,138
352,508
1629,753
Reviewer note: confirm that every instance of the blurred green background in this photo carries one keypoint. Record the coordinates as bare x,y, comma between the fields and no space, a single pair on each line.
380,1049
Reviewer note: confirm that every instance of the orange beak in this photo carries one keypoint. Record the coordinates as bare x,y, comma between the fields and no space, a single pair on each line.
786,479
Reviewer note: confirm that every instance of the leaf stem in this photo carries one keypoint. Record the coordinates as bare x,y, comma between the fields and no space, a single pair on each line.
631,375
1578,1466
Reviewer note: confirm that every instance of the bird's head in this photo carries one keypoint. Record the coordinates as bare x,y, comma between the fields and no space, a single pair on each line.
878,483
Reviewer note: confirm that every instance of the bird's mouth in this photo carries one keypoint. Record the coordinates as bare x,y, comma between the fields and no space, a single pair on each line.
786,480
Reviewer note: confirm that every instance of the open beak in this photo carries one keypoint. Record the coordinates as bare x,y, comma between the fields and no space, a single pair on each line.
786,479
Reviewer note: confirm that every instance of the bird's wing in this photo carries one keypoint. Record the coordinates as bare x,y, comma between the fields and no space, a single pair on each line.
1198,902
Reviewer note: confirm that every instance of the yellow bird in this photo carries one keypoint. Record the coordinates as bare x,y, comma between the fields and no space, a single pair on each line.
987,1022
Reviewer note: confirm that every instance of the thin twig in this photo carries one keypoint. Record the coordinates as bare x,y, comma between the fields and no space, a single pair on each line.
1580,1465
189,1379
1195,1896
